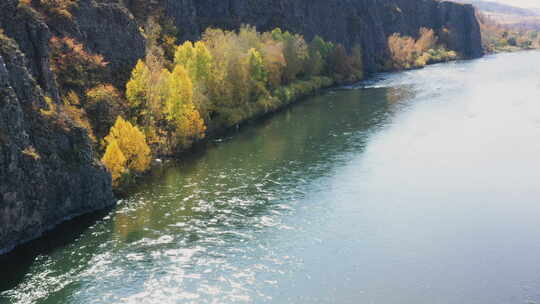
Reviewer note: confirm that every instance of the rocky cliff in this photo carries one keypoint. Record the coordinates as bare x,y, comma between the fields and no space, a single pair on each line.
366,22
48,169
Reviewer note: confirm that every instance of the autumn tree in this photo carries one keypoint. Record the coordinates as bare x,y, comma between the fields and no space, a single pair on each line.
406,52
115,161
196,59
323,48
180,108
401,50
340,63
132,143
295,51
137,88
426,41
274,61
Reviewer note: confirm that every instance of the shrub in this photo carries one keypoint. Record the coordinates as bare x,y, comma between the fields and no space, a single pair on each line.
408,53
31,152
74,67
72,108
103,105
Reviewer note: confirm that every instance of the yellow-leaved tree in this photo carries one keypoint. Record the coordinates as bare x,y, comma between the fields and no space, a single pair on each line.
180,108
137,87
131,143
196,59
115,161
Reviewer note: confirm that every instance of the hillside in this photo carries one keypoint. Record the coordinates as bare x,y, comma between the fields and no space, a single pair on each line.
517,17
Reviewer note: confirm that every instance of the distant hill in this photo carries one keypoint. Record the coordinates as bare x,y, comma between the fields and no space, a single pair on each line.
498,8
516,17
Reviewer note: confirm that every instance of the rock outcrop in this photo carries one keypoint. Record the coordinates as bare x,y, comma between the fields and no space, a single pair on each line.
48,171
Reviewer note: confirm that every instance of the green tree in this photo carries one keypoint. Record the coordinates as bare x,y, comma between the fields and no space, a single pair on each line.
201,66
184,54
257,67
314,64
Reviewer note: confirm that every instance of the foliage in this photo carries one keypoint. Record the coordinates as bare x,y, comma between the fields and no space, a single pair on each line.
407,53
103,105
274,61
344,67
53,8
115,161
138,86
295,51
73,109
226,78
180,108
74,67
31,152
220,81
51,107
196,59
132,144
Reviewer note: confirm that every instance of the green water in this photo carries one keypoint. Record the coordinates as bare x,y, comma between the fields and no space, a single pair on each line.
416,187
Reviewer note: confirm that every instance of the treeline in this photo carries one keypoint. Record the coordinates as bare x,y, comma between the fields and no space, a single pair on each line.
407,52
179,93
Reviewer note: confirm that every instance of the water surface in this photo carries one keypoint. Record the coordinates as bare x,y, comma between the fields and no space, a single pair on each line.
417,187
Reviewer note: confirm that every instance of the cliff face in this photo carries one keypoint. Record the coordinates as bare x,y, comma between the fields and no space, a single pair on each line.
48,171
366,22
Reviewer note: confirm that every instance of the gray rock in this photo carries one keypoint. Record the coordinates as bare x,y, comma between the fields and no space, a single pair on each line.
366,22
48,170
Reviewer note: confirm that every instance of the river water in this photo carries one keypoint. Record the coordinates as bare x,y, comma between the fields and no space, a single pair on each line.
416,187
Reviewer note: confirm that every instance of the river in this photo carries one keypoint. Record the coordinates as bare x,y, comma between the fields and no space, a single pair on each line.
415,187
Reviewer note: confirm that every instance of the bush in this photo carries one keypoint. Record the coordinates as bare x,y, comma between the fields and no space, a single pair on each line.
103,105
73,109
75,69
408,53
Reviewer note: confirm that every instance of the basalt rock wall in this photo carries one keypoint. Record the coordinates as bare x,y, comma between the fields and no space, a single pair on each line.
364,22
48,169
